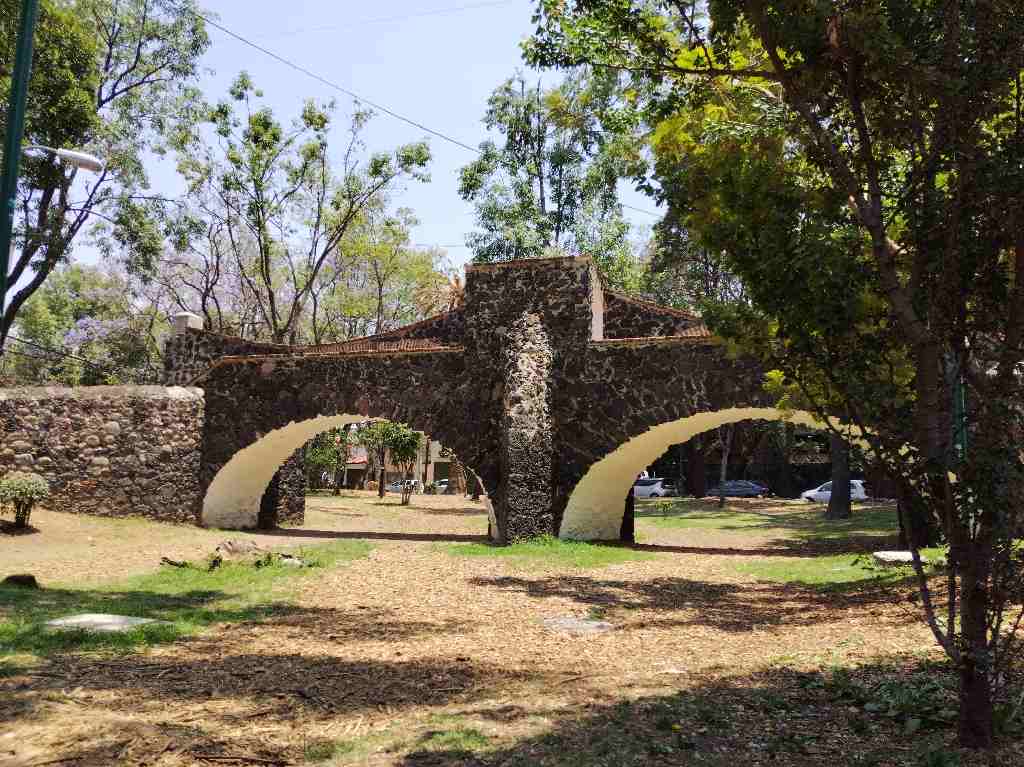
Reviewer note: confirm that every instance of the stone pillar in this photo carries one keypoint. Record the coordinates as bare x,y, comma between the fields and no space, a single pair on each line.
284,500
525,493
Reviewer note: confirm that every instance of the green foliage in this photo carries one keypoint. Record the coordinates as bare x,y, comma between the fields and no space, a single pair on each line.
858,168
92,316
22,490
551,184
280,209
112,94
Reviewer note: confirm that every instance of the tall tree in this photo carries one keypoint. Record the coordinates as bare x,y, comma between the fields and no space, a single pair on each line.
550,186
284,207
875,209
108,77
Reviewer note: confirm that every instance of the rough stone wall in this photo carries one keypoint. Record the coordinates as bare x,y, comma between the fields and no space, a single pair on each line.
627,317
248,399
284,502
624,388
524,490
550,379
108,450
190,353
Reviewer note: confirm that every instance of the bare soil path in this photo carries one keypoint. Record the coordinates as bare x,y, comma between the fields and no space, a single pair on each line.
417,656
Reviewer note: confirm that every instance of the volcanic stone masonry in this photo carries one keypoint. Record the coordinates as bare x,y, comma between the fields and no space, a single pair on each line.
538,379
108,450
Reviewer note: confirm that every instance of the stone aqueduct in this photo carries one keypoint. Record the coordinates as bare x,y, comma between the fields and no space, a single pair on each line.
553,390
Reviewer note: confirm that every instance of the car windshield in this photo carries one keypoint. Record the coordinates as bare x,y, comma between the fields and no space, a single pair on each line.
646,482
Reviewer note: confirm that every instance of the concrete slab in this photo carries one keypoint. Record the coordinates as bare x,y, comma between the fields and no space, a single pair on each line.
100,622
893,558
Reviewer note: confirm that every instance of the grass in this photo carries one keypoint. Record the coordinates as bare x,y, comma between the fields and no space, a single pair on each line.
800,521
549,551
835,572
188,599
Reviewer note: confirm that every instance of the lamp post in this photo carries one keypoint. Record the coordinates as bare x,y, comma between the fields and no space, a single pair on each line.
15,130
13,139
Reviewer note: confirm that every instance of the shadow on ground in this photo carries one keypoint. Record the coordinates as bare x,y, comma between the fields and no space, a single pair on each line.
724,606
771,717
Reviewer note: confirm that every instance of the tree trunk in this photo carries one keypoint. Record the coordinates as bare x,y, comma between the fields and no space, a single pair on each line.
457,478
725,433
680,474
476,488
839,500
696,468
380,481
975,728
627,532
22,512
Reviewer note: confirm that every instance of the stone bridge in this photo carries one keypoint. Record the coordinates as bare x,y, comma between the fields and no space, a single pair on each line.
554,391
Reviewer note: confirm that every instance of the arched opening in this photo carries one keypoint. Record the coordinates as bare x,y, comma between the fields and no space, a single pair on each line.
233,498
595,508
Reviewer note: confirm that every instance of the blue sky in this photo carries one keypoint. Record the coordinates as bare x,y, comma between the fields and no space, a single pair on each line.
434,62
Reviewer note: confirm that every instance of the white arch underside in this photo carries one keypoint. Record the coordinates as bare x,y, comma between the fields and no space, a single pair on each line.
595,508
233,498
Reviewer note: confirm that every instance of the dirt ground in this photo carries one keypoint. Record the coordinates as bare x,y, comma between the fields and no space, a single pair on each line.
382,654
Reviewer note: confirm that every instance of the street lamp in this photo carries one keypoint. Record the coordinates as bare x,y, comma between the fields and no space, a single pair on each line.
81,160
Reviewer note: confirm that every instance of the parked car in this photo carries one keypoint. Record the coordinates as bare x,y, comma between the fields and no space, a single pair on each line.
441,485
740,488
652,487
396,487
823,493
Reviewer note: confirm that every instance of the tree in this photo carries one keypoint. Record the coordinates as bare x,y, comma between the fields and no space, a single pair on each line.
548,187
83,327
276,198
377,438
404,445
107,77
875,209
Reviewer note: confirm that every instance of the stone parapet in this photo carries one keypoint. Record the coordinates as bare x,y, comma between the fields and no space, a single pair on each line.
111,451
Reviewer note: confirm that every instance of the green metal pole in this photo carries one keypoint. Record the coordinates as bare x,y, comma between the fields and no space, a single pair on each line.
12,139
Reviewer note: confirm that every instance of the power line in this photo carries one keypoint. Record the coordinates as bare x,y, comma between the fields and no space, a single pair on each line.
388,19
50,350
335,86
352,94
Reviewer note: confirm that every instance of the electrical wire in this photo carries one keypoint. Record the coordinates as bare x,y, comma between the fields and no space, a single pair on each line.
385,20
334,85
57,352
330,84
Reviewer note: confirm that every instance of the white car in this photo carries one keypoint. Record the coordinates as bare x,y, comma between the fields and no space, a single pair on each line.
823,493
655,487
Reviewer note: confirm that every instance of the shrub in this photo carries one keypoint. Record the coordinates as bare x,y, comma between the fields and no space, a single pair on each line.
22,490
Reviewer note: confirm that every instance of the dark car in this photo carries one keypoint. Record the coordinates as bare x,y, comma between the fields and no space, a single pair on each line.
740,488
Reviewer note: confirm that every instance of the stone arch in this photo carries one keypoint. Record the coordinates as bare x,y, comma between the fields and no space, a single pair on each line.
233,498
595,508
259,411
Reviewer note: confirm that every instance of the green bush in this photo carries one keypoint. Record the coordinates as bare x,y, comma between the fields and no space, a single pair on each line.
22,490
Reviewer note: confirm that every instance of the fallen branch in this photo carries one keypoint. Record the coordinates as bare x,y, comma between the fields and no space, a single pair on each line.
238,758
173,562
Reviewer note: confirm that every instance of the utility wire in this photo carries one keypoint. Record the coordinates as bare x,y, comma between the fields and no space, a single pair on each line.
385,20
341,89
335,86
50,350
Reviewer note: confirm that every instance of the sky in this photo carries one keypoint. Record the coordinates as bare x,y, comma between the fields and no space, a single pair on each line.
435,62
